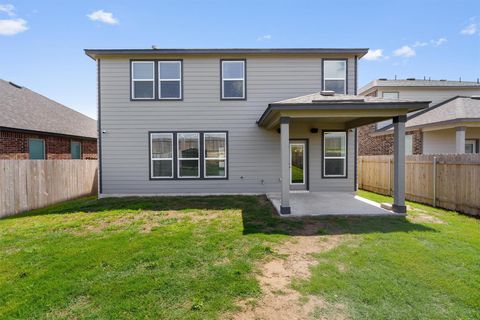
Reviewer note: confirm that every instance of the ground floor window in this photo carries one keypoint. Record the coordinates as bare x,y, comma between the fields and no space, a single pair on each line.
188,155
76,150
161,148
408,144
471,146
215,154
36,149
334,154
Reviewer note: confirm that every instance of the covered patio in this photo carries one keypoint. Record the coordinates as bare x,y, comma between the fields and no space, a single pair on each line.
342,112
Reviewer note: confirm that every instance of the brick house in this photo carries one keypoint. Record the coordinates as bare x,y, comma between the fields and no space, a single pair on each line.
432,132
35,127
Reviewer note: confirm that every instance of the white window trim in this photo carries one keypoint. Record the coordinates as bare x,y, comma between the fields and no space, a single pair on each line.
179,158
152,158
303,144
344,175
344,78
205,156
233,79
152,79
474,143
160,79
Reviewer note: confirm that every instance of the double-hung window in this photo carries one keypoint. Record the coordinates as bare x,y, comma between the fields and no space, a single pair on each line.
335,154
170,80
161,146
233,79
188,146
335,76
143,80
188,155
215,154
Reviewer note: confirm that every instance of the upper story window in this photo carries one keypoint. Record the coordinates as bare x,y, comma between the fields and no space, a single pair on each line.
390,95
335,76
233,79
170,79
143,80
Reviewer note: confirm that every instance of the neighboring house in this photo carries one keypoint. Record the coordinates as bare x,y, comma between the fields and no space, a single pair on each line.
244,121
374,139
35,127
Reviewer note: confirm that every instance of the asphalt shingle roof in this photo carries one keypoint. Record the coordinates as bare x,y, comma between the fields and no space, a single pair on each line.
419,83
458,108
340,98
21,108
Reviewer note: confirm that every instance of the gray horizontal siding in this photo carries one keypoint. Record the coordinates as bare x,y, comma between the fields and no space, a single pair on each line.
254,163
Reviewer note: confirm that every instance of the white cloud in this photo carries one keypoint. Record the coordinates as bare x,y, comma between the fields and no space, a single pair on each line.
405,52
419,44
373,54
8,9
265,37
103,16
470,29
10,27
438,42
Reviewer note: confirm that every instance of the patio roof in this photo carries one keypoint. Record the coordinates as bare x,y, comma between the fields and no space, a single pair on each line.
450,113
353,109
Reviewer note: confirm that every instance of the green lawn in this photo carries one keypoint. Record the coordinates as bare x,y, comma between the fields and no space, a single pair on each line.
193,258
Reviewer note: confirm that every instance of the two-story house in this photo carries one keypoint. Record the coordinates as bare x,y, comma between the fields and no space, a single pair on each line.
235,121
450,125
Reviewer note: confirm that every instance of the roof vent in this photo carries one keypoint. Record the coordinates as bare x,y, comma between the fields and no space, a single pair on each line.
383,79
410,79
475,97
327,93
443,79
15,85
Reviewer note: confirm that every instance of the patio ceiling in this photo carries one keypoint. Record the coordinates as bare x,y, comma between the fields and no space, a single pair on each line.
350,110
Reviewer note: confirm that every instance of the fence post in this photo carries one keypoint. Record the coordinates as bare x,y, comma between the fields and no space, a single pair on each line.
434,204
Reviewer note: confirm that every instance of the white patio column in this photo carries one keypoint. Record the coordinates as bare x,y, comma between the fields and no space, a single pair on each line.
285,160
460,140
399,164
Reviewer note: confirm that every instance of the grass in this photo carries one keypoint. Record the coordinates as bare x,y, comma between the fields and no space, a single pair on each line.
404,274
193,257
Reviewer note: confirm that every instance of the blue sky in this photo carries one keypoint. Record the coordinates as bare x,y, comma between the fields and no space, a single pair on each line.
42,42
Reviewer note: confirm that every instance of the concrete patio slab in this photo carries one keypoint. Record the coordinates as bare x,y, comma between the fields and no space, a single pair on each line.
330,204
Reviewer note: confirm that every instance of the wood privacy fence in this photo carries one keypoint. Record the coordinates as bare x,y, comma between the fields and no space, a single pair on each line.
32,184
450,181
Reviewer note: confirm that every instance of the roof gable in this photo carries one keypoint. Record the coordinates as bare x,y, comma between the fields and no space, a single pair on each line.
27,110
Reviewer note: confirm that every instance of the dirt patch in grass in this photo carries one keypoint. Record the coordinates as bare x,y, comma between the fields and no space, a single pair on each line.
146,220
424,218
77,305
293,260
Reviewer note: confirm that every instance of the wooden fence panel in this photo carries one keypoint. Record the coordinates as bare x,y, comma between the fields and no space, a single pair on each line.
32,184
454,179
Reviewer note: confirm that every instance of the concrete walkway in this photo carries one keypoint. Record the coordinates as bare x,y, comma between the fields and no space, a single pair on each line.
330,204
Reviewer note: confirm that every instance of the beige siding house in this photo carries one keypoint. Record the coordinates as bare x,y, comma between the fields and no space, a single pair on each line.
217,121
451,124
